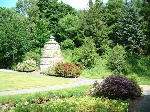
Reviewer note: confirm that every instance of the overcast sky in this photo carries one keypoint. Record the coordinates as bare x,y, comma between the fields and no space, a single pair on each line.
78,4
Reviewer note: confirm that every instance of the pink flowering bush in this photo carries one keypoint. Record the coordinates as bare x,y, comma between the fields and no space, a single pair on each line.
116,87
67,70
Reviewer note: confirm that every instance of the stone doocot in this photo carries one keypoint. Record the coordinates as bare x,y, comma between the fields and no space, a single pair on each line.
51,55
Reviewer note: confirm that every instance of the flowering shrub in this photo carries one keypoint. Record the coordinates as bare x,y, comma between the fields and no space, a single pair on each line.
26,66
116,87
67,70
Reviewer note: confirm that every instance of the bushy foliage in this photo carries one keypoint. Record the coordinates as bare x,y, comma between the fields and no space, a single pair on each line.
91,24
78,104
116,87
67,44
116,59
128,29
67,70
19,35
53,10
14,36
32,55
85,55
67,28
26,66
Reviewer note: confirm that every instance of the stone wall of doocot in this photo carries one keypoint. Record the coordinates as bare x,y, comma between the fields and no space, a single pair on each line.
51,55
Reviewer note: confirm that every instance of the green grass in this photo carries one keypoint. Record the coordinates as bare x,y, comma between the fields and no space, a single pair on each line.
62,93
12,81
139,69
64,100
99,71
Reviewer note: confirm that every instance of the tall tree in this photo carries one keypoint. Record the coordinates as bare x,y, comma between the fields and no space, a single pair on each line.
28,8
14,39
113,11
91,24
53,10
67,28
90,3
128,29
145,12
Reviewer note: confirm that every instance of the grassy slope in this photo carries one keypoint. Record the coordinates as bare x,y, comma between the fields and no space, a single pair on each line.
12,81
136,68
139,69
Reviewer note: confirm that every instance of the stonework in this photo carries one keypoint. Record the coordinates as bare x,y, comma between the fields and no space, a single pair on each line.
51,55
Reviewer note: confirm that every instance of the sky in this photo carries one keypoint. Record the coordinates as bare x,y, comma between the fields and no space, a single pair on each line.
78,4
8,3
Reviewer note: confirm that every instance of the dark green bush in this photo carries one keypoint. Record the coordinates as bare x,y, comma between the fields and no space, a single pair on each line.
116,59
116,87
67,44
67,70
85,55
26,66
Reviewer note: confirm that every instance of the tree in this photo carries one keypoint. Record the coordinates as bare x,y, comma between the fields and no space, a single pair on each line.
19,35
90,3
14,39
144,7
53,10
129,31
39,32
91,25
28,8
111,15
113,10
67,28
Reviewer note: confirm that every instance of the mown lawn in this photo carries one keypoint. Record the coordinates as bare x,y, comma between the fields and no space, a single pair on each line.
12,81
